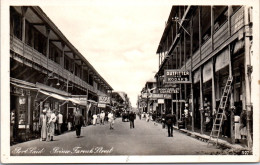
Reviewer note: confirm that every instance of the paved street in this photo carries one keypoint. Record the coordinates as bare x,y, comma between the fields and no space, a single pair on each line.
146,138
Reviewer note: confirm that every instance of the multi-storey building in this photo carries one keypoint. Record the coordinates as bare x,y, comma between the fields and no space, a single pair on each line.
46,69
214,43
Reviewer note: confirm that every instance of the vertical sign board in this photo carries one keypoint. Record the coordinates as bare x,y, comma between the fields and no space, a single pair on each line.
176,76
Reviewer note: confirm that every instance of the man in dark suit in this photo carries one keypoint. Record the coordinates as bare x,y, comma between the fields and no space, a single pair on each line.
170,120
132,119
78,122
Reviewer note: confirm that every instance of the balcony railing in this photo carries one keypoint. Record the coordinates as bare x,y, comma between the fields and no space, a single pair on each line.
219,37
237,20
36,57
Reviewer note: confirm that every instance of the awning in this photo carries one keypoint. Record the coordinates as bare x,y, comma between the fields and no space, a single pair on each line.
74,100
59,97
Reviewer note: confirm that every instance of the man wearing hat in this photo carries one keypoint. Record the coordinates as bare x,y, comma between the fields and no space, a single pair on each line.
43,124
78,122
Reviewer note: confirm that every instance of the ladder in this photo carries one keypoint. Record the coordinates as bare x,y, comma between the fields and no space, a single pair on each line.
216,129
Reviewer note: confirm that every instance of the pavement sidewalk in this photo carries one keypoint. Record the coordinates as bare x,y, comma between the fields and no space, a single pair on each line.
205,138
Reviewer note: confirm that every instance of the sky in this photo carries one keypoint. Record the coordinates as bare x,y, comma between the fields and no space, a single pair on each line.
118,38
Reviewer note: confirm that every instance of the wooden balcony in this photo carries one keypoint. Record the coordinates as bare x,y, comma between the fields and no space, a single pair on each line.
36,57
196,58
206,48
220,36
237,20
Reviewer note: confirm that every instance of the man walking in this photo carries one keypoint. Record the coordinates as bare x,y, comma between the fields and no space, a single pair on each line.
111,120
60,122
132,119
78,122
170,120
102,117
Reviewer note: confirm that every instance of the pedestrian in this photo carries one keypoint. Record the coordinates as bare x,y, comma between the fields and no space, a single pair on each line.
51,124
170,120
78,122
94,119
186,115
147,117
237,128
70,121
111,120
132,119
60,122
43,125
102,117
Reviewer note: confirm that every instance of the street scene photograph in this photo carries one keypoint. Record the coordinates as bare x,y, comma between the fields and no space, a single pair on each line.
136,78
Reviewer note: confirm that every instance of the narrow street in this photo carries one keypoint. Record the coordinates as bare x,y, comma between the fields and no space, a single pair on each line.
146,138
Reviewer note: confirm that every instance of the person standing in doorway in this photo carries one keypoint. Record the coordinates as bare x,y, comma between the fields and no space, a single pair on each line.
170,120
78,122
43,125
111,120
132,119
60,122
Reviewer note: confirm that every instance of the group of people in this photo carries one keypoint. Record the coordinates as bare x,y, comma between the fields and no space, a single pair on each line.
49,120
100,118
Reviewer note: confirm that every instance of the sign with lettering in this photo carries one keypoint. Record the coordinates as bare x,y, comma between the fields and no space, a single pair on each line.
169,90
177,76
160,101
178,101
102,105
160,96
104,99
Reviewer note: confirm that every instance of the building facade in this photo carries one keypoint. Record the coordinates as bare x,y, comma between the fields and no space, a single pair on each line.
46,70
214,44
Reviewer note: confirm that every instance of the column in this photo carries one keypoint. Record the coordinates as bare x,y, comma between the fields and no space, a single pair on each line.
200,31
212,26
47,43
191,89
62,61
213,85
24,10
248,79
201,102
232,131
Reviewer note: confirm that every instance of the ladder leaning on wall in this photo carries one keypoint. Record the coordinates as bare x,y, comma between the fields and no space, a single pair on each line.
216,129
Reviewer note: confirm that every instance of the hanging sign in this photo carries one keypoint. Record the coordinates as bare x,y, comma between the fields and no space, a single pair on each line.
178,101
104,99
160,96
169,90
177,76
102,105
160,101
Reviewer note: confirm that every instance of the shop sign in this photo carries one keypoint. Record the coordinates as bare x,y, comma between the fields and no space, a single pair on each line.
160,96
20,91
178,101
100,105
160,101
22,100
169,90
177,76
104,99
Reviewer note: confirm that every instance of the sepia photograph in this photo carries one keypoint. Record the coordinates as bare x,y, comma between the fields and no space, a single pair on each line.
129,81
